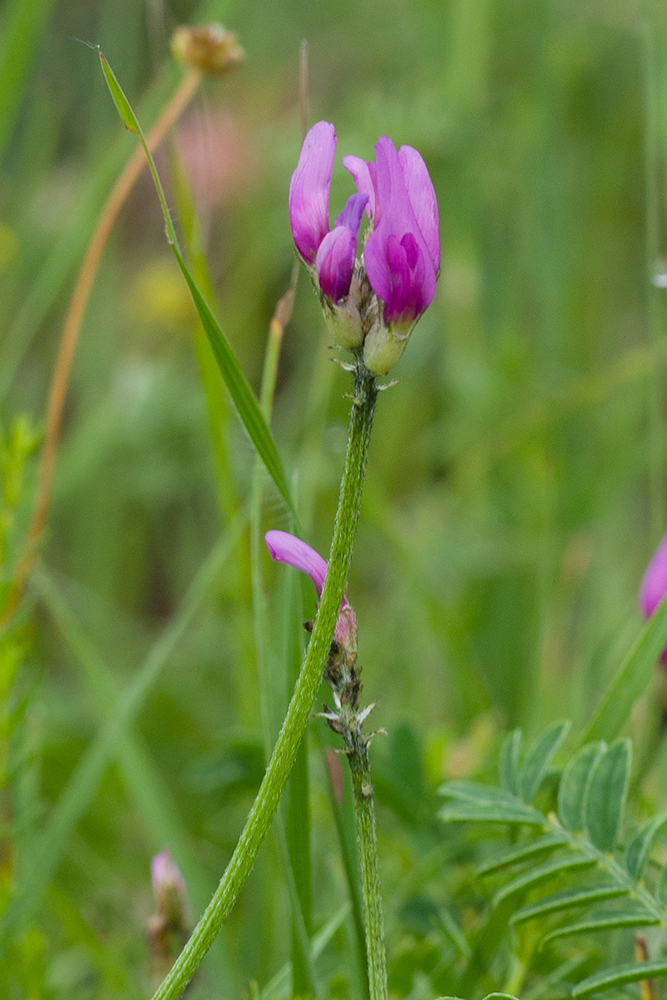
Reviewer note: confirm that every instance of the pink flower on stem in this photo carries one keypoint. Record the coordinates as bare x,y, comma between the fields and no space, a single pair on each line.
288,549
654,585
402,256
375,306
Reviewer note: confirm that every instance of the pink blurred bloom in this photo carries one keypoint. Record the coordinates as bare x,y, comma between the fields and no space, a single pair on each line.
168,883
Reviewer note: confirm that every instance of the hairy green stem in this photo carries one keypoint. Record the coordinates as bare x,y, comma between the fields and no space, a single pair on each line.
301,704
364,808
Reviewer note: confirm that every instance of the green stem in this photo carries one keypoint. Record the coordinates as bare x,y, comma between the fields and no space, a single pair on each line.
370,870
301,705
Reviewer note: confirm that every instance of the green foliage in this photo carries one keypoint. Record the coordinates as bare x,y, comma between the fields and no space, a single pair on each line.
584,843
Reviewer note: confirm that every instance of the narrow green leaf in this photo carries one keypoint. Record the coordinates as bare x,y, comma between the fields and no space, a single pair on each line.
631,680
236,382
639,848
618,976
613,922
506,996
539,757
606,795
474,791
541,845
568,899
480,812
509,762
120,100
535,876
573,785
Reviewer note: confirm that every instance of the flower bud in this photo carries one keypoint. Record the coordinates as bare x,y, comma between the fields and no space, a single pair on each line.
208,47
169,889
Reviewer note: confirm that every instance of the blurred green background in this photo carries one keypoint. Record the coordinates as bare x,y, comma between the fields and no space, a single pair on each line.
516,480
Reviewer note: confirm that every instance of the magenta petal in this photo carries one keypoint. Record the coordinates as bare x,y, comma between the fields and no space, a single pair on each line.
286,548
351,214
309,190
398,262
422,198
365,177
335,262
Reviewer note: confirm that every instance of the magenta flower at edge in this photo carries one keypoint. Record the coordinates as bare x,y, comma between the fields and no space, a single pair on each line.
654,585
288,549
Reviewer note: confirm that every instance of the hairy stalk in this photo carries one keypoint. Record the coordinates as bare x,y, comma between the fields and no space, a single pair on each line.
364,808
301,704
72,325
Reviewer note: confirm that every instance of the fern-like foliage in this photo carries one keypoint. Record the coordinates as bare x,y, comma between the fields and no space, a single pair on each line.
607,887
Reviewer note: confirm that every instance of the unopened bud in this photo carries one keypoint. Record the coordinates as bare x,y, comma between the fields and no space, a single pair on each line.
209,48
384,345
168,888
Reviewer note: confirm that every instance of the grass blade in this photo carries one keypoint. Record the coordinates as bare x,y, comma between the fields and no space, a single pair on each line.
631,680
239,388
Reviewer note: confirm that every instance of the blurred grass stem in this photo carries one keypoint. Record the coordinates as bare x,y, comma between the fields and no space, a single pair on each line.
364,808
72,326
301,704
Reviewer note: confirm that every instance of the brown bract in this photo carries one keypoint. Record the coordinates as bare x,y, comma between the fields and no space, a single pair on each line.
208,47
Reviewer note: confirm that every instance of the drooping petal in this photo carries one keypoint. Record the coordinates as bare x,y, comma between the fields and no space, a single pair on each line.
398,262
309,190
365,177
286,548
423,200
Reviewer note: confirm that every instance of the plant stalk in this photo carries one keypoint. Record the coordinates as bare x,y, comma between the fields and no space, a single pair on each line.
301,704
364,808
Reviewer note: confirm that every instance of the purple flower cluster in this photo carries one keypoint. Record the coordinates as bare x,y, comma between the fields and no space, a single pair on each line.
376,303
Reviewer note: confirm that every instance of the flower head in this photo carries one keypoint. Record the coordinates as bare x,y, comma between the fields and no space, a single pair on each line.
654,585
375,305
288,549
